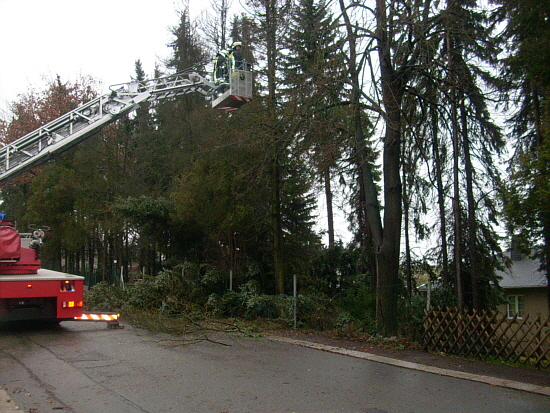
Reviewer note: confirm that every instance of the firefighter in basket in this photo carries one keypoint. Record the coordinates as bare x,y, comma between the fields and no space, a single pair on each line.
224,61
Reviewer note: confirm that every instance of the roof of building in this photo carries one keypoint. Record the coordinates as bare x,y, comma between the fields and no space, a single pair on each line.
523,273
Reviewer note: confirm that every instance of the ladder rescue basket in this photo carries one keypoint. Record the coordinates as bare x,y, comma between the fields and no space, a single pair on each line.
236,93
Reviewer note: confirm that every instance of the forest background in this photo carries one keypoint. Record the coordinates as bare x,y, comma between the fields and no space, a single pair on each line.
390,105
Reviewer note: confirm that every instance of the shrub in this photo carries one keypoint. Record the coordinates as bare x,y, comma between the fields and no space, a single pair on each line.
317,313
190,283
411,314
144,294
105,297
357,308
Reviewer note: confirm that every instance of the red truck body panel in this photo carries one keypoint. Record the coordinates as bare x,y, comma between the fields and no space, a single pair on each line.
45,295
28,292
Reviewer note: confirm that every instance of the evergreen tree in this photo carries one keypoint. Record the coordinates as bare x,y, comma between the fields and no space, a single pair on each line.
528,87
476,140
451,129
271,16
187,47
313,89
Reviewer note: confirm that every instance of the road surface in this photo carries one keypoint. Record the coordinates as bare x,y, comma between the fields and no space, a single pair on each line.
86,368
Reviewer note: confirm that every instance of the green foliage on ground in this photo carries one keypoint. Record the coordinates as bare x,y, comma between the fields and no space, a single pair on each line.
192,291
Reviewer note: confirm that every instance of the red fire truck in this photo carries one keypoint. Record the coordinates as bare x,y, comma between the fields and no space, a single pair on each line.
28,292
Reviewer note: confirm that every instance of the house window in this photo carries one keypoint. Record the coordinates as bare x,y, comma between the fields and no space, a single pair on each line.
516,305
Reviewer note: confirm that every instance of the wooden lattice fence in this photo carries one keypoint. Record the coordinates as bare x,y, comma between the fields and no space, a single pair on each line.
488,335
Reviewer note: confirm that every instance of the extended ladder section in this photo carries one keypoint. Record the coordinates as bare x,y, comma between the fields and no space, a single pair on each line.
74,127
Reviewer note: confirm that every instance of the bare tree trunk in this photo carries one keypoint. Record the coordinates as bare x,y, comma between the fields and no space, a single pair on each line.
441,204
83,260
277,227
472,223
372,206
456,206
102,255
386,237
388,252
406,212
330,215
540,138
276,219
366,241
91,255
453,82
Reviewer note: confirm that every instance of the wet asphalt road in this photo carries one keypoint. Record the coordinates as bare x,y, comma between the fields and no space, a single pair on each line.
87,368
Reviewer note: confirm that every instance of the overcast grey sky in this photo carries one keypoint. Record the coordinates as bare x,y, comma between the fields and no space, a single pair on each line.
73,38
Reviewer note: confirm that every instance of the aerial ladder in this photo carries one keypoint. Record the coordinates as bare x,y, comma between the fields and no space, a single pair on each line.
79,124
29,292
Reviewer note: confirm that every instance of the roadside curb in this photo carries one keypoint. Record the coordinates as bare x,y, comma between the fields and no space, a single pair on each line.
7,405
493,381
